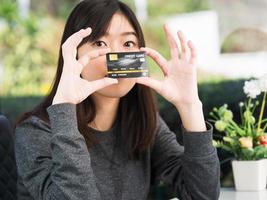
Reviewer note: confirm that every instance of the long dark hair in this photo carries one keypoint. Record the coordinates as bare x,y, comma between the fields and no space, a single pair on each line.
137,111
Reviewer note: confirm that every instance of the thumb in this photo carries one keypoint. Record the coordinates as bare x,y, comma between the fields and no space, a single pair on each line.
100,83
150,82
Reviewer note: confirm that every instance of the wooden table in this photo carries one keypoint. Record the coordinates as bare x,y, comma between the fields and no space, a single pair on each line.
232,194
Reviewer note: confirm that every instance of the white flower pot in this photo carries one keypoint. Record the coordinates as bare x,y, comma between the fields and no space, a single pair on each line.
250,175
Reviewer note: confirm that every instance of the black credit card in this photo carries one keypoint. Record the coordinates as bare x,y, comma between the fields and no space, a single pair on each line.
127,64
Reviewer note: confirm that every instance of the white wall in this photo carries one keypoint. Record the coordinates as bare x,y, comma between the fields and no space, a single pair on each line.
203,29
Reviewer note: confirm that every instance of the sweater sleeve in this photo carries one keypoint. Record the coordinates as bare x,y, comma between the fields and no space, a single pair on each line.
54,162
191,171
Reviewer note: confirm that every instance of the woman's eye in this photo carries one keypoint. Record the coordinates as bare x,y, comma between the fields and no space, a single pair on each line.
99,44
129,44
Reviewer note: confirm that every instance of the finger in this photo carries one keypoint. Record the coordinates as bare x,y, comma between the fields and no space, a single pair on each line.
150,82
158,58
193,52
69,47
100,83
75,39
172,43
184,48
97,53
85,59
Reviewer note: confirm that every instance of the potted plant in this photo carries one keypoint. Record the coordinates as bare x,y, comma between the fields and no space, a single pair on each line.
246,140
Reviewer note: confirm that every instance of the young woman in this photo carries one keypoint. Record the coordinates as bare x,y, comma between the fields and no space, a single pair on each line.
95,137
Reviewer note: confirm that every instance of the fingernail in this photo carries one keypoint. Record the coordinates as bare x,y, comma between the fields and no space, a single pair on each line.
143,49
88,29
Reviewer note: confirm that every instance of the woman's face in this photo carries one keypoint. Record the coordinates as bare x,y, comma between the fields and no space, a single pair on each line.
120,37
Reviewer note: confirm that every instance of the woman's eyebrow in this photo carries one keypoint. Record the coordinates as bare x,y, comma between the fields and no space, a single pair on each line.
124,33
128,33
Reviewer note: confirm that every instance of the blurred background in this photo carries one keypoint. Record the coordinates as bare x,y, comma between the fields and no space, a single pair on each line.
230,36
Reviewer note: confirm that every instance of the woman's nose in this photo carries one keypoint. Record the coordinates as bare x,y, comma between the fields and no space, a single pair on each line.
115,48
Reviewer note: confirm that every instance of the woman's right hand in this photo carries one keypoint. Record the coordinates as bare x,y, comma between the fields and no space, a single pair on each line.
72,88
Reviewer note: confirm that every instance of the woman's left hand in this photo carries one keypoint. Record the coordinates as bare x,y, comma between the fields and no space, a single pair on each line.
179,85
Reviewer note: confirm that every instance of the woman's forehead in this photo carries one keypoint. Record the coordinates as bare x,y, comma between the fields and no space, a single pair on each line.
120,26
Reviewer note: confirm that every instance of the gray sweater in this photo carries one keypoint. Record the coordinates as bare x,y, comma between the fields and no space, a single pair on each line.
54,163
